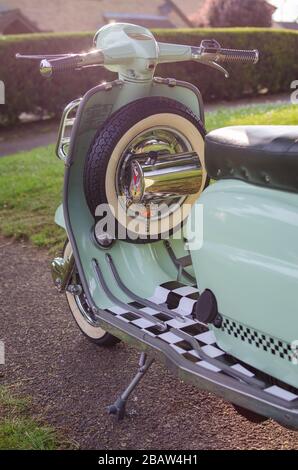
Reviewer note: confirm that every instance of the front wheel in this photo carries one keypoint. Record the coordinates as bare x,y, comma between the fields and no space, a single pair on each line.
82,313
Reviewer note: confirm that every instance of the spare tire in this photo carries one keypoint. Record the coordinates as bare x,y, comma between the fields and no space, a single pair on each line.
150,125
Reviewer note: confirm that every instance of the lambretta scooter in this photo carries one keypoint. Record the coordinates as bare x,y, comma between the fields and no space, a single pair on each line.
204,279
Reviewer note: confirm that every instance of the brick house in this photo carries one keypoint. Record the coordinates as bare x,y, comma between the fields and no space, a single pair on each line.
13,21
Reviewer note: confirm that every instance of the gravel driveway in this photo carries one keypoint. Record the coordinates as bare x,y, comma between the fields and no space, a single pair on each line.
72,381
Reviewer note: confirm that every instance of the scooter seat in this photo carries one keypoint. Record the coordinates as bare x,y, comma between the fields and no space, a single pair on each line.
262,155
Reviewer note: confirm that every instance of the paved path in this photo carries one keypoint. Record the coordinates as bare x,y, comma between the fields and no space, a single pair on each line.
29,136
72,381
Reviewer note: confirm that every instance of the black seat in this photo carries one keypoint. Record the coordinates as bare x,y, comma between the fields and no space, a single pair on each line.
261,155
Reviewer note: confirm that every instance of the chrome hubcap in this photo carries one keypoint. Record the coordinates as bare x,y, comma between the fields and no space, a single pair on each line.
148,147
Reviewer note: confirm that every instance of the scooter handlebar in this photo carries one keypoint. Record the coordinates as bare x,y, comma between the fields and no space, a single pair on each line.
237,56
209,53
49,67
70,62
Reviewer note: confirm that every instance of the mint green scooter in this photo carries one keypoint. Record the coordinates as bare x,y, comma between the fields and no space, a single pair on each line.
203,278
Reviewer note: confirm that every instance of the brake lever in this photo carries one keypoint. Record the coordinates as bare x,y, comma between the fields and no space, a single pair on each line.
41,57
214,65
208,49
218,67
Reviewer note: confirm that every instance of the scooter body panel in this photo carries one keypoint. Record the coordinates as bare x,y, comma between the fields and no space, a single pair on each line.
143,266
59,217
249,259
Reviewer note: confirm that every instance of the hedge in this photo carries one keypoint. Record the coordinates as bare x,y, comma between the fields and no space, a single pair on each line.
27,91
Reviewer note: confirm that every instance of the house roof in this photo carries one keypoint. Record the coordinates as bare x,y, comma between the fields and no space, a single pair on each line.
89,15
10,16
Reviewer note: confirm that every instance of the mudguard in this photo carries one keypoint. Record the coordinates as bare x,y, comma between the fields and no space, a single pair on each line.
97,105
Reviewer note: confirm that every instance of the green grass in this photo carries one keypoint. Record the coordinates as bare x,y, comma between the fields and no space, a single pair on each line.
30,191
11,403
257,114
18,431
31,182
25,434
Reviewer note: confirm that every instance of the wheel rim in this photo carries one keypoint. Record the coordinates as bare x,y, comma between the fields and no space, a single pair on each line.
158,141
142,227
80,308
83,306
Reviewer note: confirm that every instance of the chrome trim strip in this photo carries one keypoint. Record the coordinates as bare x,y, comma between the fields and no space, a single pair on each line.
178,264
65,123
148,303
173,82
159,324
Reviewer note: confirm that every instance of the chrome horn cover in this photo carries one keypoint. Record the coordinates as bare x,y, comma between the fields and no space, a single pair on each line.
62,270
165,176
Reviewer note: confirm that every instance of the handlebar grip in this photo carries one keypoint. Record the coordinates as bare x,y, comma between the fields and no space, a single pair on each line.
238,56
49,67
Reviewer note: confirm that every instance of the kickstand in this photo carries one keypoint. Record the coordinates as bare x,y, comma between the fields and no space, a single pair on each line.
118,408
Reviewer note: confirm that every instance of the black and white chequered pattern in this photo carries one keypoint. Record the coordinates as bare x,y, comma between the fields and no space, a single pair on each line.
261,341
182,299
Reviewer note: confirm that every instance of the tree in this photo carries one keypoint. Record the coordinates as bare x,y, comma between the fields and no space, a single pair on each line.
229,13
